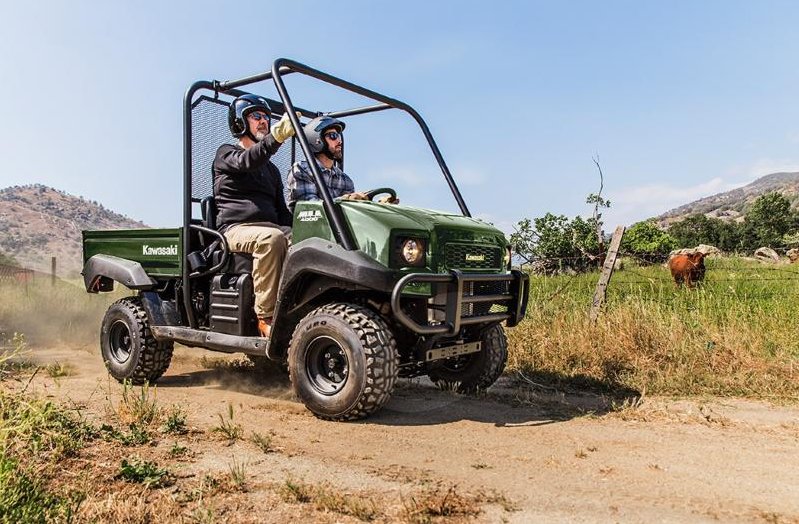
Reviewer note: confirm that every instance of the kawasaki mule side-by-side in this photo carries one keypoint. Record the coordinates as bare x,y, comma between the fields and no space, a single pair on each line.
368,291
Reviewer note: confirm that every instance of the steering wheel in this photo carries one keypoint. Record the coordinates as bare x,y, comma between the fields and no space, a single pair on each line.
372,193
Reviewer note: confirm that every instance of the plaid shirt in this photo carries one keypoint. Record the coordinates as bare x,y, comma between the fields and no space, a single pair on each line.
301,185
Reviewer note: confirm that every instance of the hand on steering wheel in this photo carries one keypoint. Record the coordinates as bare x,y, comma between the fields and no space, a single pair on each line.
391,197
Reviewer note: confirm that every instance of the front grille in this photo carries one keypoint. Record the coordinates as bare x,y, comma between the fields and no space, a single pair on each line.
485,288
470,257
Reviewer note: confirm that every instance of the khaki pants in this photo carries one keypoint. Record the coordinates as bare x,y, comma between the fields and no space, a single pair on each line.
268,247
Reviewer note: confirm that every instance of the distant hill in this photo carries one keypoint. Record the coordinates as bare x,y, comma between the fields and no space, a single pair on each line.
38,222
732,205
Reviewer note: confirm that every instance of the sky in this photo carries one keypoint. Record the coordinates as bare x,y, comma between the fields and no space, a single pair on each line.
677,100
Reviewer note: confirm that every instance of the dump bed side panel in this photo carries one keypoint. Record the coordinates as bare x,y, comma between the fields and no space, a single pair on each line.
159,251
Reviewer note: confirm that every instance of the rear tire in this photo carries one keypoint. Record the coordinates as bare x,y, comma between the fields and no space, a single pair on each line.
477,372
343,362
129,350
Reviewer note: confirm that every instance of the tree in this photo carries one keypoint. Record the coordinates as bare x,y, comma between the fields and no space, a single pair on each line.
554,243
599,202
647,241
700,229
767,222
8,260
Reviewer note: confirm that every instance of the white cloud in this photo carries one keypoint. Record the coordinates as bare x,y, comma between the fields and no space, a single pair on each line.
766,166
637,203
664,193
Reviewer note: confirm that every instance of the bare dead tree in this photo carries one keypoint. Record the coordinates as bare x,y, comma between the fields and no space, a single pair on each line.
598,201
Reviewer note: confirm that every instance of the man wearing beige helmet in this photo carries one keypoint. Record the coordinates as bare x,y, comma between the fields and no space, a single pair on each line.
248,191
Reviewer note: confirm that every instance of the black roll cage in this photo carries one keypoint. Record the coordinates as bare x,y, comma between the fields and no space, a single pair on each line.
280,68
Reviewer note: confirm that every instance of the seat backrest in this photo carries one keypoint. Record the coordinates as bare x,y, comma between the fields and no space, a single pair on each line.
209,131
208,209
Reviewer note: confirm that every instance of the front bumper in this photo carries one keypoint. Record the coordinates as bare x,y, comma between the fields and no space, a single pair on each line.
463,290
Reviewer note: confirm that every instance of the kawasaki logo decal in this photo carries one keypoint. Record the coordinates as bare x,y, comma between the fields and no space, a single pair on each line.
309,216
154,251
475,258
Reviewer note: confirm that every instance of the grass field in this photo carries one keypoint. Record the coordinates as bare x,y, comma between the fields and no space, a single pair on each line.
735,335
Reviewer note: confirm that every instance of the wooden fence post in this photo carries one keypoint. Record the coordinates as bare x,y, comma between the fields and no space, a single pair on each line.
607,271
52,271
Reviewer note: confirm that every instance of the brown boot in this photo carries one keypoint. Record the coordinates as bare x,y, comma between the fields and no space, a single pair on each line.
265,326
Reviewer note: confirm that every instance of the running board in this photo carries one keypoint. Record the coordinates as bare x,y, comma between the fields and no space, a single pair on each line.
210,340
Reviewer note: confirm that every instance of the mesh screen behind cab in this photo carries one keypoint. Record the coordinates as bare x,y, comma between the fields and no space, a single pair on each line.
209,131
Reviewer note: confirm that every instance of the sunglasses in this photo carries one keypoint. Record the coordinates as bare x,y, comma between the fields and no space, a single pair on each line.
258,116
334,135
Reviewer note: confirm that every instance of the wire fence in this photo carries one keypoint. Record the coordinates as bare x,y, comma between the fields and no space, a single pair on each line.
734,278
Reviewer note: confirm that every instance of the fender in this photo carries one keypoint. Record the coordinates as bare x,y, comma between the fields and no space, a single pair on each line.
323,265
323,257
100,272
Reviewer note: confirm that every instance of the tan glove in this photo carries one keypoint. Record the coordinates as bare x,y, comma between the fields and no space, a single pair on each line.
283,130
388,199
355,196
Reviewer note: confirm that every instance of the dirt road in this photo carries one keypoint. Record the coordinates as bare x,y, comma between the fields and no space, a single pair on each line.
536,456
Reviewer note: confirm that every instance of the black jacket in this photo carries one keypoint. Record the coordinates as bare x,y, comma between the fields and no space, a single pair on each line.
247,186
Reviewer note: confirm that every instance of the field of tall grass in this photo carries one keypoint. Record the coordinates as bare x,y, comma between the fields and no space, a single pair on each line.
735,335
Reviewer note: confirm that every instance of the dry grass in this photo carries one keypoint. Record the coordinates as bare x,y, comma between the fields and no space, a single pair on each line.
64,312
437,502
237,474
326,498
54,468
139,406
733,337
59,369
264,442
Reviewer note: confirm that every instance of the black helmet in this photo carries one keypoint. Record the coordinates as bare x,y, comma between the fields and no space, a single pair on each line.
316,128
239,109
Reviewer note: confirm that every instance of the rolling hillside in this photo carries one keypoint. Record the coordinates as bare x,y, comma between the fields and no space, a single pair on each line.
732,205
38,222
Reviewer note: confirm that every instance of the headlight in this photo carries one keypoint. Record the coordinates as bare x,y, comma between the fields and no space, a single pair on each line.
508,256
412,251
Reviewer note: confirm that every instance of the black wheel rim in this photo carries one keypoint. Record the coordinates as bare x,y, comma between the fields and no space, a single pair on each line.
119,341
457,364
327,365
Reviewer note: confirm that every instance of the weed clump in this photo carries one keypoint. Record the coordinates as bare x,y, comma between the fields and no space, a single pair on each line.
227,427
144,472
325,498
175,423
438,502
35,436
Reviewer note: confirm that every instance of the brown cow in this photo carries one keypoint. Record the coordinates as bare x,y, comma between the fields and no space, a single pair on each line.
688,268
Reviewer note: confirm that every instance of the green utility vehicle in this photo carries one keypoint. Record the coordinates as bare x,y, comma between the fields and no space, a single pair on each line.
368,292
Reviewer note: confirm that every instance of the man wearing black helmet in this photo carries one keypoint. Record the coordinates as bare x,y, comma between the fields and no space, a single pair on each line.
326,137
248,191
